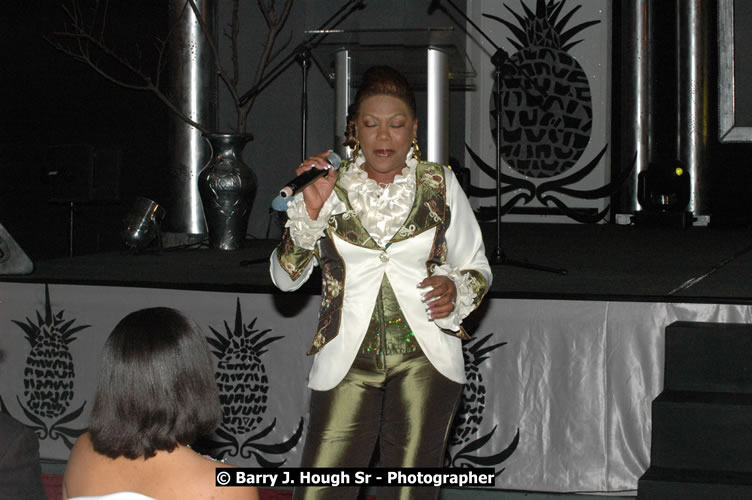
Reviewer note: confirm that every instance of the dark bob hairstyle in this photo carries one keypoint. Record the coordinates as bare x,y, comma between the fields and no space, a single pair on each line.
157,386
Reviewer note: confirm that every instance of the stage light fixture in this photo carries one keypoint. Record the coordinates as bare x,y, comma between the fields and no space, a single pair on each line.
142,224
663,191
664,187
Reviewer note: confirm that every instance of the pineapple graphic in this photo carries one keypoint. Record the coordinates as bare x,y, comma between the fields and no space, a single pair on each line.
470,414
243,393
546,116
241,375
49,375
546,105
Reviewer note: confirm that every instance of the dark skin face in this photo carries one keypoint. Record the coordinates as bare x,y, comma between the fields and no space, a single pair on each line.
385,128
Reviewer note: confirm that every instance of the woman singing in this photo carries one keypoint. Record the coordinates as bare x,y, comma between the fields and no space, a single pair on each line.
402,263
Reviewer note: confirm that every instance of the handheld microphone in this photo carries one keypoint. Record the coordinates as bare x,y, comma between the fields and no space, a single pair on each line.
279,204
300,182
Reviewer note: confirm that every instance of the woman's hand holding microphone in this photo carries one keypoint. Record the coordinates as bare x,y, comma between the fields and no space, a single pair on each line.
316,193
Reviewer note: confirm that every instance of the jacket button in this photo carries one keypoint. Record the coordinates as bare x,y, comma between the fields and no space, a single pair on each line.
384,257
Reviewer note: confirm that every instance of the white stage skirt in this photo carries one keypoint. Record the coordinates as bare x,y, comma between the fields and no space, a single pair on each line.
559,397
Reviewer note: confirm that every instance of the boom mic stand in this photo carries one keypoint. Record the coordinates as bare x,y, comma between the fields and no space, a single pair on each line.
499,60
350,6
302,54
304,58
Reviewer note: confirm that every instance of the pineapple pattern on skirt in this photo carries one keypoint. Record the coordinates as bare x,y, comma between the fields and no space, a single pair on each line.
243,394
49,376
464,451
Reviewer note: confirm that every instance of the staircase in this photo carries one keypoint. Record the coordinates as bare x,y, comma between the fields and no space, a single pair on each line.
702,421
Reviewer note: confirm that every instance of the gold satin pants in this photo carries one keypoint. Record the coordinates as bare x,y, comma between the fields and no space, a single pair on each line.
398,401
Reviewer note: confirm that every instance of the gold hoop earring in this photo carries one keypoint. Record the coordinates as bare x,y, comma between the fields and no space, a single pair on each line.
356,150
416,149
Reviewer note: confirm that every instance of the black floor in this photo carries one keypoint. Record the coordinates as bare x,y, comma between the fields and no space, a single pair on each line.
602,262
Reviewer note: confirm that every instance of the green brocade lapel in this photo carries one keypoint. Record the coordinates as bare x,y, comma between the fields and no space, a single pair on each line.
347,225
430,201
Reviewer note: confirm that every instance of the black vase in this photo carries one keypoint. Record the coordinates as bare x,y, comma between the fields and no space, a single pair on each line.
227,187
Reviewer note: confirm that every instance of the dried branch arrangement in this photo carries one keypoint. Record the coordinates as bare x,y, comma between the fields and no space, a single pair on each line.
83,39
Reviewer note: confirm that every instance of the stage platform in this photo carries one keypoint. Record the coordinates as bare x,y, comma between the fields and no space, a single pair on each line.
603,262
562,368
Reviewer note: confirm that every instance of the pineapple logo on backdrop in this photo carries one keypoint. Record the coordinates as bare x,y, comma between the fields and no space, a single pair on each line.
49,374
543,139
470,415
243,392
546,111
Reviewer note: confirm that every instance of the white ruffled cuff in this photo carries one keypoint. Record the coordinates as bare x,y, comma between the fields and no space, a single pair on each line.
304,231
464,304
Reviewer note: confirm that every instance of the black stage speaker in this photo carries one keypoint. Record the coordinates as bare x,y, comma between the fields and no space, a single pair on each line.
13,260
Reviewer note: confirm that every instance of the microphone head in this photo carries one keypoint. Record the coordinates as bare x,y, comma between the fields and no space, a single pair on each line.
279,204
334,160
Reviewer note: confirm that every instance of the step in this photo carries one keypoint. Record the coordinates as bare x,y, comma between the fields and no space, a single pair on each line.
709,357
694,430
675,484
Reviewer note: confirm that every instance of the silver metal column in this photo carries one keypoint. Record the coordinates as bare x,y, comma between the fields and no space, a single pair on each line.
342,99
693,99
193,84
437,128
635,103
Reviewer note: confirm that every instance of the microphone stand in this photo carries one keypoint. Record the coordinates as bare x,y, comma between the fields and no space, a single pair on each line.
302,54
304,58
275,72
499,60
